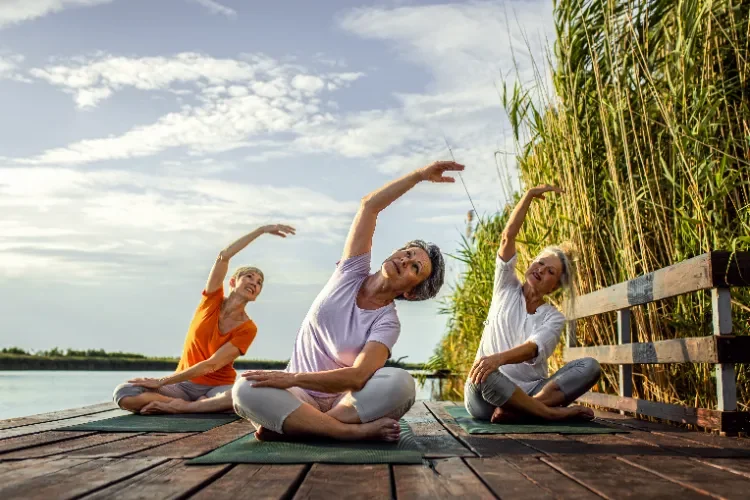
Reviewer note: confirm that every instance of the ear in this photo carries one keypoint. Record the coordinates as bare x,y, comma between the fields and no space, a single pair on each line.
232,282
409,295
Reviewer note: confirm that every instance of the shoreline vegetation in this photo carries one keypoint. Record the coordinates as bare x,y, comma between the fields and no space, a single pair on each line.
14,358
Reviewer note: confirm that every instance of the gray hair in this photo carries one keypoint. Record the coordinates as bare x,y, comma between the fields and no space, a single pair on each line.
242,271
430,286
567,277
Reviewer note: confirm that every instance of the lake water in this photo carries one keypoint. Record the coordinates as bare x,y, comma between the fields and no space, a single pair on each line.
27,392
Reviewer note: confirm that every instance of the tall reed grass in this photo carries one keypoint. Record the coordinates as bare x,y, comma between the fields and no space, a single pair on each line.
649,135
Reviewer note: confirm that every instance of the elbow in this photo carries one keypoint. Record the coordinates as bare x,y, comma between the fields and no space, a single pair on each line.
366,204
358,382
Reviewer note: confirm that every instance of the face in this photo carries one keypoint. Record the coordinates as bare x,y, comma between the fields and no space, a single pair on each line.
544,273
248,286
406,269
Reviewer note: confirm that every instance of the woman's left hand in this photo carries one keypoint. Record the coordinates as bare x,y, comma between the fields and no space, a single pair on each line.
148,383
267,378
435,172
483,367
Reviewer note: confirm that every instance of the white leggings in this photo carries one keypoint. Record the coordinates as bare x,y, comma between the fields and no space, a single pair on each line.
390,392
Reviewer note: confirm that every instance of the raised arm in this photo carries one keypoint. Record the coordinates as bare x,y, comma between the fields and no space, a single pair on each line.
359,240
508,243
221,265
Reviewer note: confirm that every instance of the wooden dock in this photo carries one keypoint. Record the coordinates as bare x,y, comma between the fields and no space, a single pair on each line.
651,461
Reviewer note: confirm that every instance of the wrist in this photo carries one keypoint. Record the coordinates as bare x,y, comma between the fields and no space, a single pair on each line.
500,359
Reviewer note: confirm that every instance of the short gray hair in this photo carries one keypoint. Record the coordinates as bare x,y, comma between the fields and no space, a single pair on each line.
430,286
242,271
567,277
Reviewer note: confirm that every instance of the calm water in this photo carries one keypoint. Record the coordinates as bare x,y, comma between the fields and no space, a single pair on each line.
29,391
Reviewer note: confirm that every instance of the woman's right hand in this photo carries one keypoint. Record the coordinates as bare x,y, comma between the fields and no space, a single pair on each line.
279,230
148,383
538,192
435,172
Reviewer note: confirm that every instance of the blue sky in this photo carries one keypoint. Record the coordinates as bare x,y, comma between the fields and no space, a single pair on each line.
139,137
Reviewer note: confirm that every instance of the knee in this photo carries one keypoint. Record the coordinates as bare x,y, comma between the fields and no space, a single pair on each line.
245,397
592,369
401,385
123,392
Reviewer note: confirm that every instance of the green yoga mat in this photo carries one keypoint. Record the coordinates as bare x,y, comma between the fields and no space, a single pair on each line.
189,422
473,426
247,449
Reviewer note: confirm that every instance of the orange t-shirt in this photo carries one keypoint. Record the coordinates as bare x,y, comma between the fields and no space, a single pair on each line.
204,339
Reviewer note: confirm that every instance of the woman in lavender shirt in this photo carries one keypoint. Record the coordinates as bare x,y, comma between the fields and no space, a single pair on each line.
336,384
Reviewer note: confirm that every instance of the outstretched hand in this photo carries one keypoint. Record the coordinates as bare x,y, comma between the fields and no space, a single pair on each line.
435,172
279,230
268,378
538,192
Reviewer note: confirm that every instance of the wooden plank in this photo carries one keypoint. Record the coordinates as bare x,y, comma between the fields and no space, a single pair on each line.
56,424
711,349
129,446
549,478
263,482
326,481
201,443
169,480
68,446
56,415
612,478
485,445
684,277
31,440
447,478
694,475
739,466
729,269
624,337
726,388
506,480
727,421
74,478
433,439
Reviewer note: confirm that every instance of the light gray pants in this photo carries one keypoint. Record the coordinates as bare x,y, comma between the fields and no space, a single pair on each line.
574,379
390,392
182,390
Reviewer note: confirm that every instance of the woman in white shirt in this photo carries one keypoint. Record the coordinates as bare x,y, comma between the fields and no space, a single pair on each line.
509,377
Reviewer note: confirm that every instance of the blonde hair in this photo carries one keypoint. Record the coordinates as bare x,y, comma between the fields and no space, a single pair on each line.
245,270
565,253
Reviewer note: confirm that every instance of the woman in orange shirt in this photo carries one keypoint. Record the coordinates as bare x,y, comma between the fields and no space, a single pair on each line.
220,332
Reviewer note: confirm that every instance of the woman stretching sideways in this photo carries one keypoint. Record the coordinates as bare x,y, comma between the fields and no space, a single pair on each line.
219,333
508,380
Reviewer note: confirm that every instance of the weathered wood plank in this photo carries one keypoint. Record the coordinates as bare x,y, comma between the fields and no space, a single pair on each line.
507,481
56,424
447,478
726,421
56,415
31,440
129,446
549,478
69,445
201,443
711,349
326,481
483,445
612,478
73,478
686,447
172,479
694,475
739,466
433,439
684,277
263,482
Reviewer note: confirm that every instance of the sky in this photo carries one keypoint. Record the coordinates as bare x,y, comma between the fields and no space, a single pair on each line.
140,137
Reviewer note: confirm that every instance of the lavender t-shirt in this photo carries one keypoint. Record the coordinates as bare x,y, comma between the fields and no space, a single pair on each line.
335,329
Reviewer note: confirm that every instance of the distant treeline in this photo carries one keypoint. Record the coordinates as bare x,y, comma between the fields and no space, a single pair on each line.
15,358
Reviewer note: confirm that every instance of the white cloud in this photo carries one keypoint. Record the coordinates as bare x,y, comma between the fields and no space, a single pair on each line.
217,8
17,11
9,66
116,220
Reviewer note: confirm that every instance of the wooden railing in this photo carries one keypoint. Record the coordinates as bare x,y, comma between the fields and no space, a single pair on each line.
715,270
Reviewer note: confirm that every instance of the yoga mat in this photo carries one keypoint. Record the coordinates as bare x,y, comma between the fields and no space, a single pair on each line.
247,449
473,426
188,422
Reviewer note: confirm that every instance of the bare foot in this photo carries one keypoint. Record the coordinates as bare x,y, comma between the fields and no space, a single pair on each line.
382,429
263,434
504,416
576,413
160,407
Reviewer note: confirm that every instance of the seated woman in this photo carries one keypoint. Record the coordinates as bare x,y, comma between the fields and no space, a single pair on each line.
220,332
508,380
336,384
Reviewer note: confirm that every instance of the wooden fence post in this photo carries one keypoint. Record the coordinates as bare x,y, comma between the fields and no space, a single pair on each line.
624,336
726,389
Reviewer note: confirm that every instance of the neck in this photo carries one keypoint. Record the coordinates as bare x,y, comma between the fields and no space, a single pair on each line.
533,298
376,290
234,305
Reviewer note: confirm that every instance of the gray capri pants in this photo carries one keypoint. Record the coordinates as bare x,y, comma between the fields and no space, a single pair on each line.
390,392
181,390
574,379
